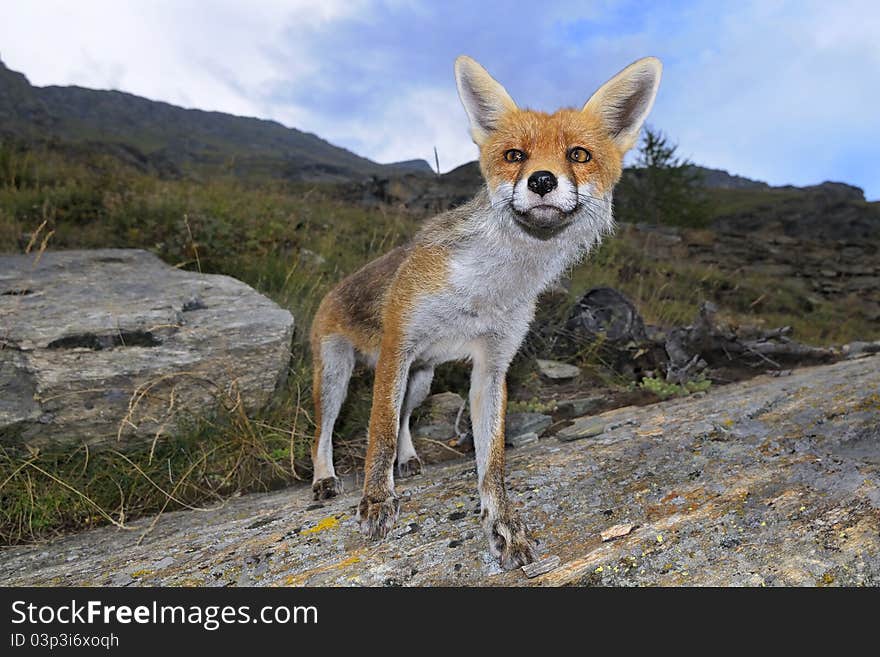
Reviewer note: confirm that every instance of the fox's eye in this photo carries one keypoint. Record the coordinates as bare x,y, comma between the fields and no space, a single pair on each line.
579,154
514,155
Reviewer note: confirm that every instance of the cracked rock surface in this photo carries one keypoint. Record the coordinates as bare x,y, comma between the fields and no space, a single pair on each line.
774,481
112,345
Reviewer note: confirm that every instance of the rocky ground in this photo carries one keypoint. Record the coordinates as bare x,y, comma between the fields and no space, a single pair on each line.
773,481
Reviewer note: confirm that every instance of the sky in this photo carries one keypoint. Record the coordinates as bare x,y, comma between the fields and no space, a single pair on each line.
786,92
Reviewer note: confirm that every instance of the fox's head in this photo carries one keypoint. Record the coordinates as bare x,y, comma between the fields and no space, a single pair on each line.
549,169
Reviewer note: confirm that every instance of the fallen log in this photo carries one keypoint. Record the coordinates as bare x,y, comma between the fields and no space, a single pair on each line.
707,344
604,319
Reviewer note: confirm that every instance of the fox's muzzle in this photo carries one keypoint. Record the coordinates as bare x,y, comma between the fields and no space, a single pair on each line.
543,227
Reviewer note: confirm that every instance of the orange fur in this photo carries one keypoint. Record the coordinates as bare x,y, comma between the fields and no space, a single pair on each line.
395,285
546,138
423,272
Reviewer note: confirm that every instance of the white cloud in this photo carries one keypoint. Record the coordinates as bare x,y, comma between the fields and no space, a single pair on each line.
412,124
216,55
786,92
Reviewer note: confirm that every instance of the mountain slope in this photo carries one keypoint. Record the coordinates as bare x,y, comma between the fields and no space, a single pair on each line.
189,140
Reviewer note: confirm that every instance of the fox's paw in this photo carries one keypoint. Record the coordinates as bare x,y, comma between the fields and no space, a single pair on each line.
326,488
509,540
409,468
377,516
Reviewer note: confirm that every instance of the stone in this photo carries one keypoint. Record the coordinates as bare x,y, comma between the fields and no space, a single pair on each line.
521,428
114,347
860,349
541,567
585,427
577,407
121,579
617,531
863,283
521,439
557,371
433,428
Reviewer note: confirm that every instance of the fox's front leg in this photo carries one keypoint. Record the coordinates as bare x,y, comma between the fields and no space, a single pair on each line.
508,536
379,505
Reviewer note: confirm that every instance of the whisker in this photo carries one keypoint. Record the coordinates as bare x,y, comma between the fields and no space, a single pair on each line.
502,202
588,196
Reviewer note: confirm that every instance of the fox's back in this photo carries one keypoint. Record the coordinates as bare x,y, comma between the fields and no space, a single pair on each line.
354,307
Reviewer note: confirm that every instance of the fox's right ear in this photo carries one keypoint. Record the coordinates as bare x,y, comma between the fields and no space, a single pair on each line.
484,99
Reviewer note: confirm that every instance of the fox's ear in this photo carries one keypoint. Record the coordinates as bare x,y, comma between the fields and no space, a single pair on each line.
484,99
626,99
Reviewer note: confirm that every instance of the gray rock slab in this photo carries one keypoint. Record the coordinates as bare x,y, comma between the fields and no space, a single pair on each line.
584,427
520,427
521,439
113,346
556,370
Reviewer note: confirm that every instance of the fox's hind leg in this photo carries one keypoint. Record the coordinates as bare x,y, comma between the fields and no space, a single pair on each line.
332,370
417,388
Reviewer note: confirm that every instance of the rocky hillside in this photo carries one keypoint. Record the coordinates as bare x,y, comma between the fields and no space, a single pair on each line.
828,211
170,140
775,481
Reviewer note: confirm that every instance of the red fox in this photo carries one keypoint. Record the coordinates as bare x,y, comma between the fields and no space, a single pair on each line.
466,285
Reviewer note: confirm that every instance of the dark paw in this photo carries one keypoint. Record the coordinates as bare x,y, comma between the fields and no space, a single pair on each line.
509,541
377,516
327,488
410,468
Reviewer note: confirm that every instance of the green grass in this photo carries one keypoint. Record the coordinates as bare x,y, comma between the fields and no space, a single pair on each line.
257,233
664,390
726,202
669,293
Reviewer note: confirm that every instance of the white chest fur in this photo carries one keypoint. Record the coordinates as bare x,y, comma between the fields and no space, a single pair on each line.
495,277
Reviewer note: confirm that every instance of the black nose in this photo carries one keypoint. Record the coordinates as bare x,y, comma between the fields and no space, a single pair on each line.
542,182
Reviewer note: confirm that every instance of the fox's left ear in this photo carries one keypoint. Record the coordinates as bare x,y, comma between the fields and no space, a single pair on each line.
625,100
485,100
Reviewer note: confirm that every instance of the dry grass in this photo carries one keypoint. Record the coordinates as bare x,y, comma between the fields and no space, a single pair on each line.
263,236
254,233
